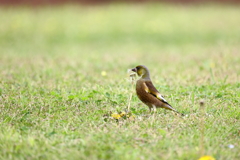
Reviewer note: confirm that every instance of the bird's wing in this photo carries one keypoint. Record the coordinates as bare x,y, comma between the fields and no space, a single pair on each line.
148,86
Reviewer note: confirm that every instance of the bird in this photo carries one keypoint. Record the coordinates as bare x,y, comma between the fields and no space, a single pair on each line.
147,93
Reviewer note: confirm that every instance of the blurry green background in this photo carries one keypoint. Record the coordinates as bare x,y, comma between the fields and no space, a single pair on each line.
115,37
63,68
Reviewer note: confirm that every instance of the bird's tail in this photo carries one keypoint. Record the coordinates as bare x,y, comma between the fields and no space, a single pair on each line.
169,107
179,113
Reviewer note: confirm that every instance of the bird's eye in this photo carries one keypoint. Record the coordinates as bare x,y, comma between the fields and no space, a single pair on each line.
138,68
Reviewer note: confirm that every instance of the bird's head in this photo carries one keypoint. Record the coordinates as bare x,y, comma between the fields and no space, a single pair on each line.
142,71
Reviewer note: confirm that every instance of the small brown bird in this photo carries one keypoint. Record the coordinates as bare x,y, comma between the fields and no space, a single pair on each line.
147,93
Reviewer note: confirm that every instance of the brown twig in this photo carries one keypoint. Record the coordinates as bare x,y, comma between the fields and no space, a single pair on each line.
132,79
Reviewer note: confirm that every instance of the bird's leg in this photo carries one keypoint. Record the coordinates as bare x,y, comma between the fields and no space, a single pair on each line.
154,108
150,110
154,111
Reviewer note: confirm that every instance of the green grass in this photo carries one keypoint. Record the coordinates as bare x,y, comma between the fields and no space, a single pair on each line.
53,97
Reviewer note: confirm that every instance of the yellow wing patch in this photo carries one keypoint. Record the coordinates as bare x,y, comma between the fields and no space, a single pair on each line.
146,88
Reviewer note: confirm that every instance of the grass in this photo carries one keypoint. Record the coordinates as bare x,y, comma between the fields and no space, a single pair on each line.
54,99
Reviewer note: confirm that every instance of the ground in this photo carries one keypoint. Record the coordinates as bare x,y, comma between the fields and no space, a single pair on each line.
64,73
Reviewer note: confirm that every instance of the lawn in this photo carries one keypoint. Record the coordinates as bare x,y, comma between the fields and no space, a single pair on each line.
63,73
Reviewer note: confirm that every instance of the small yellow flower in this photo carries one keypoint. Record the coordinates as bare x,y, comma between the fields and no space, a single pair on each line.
206,158
122,114
212,65
103,73
116,116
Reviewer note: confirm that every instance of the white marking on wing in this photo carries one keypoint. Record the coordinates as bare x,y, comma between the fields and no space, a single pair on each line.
161,97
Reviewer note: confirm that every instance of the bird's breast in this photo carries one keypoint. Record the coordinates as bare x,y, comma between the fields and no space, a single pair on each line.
142,94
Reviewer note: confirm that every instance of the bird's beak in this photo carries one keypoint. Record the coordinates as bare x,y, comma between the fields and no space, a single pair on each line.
134,70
